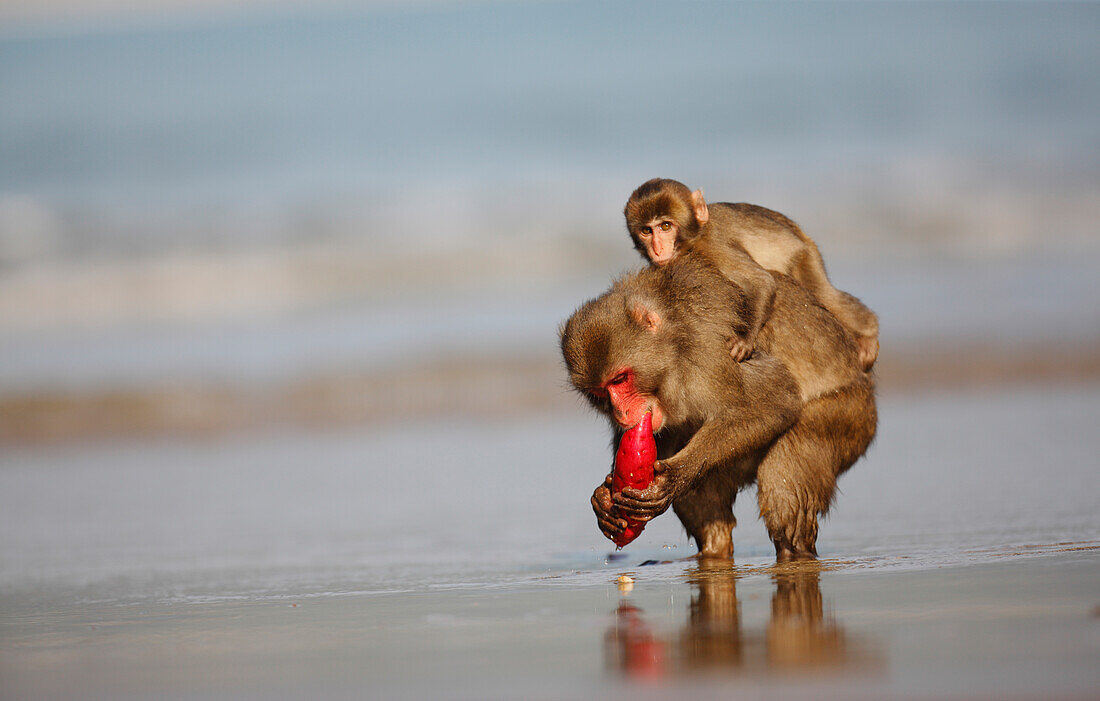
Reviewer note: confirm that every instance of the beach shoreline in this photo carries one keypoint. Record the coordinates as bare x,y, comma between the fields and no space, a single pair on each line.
490,386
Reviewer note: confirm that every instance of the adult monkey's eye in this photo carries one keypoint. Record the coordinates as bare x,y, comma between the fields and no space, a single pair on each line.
618,379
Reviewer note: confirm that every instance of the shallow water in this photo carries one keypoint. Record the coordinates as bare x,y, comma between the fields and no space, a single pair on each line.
1019,626
462,561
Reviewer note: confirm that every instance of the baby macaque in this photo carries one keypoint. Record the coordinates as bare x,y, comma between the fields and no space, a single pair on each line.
744,241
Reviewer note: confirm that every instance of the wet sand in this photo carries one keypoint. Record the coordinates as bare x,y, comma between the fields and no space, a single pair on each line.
962,561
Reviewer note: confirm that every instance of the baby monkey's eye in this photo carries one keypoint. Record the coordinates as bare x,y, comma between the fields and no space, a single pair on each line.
666,225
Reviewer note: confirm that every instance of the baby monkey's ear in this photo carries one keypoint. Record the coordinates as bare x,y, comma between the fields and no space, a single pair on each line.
702,214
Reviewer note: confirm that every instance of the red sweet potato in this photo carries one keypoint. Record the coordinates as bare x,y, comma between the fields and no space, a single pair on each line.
634,468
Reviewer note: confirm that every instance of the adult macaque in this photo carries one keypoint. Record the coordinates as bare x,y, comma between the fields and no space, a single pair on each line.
792,417
666,219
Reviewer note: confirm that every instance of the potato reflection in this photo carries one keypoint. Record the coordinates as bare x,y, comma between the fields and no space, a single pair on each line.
631,646
798,635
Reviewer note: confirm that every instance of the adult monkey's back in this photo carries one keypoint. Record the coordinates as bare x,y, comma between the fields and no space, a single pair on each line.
792,418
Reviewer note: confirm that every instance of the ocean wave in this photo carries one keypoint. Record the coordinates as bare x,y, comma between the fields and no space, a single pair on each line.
454,241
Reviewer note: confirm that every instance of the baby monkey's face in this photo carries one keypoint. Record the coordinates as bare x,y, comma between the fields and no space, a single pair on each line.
659,238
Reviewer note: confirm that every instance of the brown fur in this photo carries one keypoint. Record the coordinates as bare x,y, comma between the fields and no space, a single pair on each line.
792,418
744,241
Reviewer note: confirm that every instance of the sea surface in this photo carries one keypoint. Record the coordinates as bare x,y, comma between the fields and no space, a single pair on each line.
443,123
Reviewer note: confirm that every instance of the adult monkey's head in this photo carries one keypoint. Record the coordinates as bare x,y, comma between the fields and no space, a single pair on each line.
618,350
664,218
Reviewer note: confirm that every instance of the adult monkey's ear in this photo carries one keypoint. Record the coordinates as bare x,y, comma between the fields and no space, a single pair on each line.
702,214
644,316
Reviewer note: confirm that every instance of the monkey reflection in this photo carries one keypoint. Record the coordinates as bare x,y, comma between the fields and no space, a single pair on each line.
798,636
712,637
